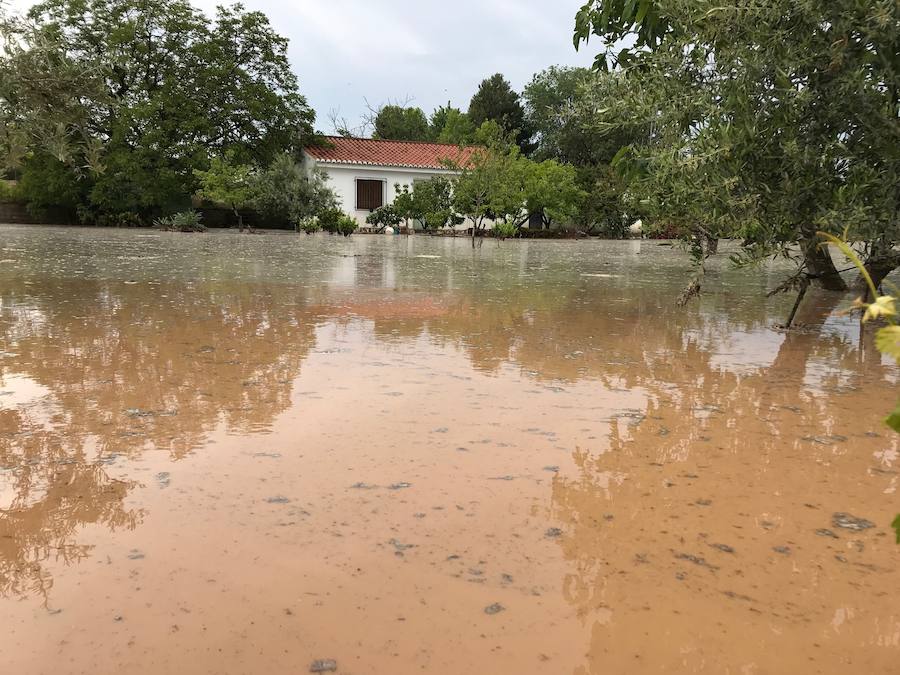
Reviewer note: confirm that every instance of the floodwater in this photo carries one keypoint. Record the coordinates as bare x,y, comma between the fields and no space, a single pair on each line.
244,454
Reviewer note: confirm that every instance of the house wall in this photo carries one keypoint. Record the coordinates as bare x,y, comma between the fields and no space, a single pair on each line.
342,179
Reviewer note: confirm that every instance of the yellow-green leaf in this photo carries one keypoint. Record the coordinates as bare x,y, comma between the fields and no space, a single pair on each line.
883,306
887,340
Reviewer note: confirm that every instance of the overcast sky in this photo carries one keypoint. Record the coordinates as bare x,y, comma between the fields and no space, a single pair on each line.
430,51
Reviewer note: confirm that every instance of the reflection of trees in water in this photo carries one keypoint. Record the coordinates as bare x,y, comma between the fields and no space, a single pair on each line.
128,368
56,489
698,411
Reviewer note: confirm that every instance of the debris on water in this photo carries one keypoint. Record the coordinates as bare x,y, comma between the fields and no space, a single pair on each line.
697,560
399,486
278,500
725,548
737,596
553,533
453,557
703,502
783,550
496,608
399,547
323,666
137,412
825,440
363,486
135,554
552,469
164,479
826,533
270,455
206,349
118,618
442,430
506,578
502,478
850,522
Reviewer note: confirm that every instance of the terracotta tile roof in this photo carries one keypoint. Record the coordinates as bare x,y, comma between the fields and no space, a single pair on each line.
411,154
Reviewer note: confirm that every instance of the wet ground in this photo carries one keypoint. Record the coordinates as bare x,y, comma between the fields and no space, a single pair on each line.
278,453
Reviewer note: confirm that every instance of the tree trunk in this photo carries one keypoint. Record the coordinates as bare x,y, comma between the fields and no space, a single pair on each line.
819,265
240,220
712,245
881,261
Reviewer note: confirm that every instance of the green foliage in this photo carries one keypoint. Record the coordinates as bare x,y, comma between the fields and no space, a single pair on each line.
429,202
346,225
496,101
329,219
184,221
227,182
385,216
450,125
132,96
603,209
490,187
309,225
551,190
896,526
398,123
285,191
769,120
504,229
335,221
46,182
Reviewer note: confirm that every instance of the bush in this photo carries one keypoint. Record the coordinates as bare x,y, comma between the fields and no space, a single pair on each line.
346,225
185,221
385,216
329,218
309,225
504,229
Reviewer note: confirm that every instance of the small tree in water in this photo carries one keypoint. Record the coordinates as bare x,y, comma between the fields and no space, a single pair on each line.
228,182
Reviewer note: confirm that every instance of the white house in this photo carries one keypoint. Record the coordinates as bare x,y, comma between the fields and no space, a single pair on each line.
363,172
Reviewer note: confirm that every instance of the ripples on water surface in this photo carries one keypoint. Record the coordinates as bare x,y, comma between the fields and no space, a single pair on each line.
238,454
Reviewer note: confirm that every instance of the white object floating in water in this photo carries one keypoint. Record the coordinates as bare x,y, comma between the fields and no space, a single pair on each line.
389,230
428,257
601,276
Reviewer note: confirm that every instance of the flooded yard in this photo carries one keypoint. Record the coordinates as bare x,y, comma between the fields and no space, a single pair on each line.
272,453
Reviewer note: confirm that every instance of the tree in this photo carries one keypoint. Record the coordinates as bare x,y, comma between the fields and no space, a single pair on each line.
490,187
430,202
550,190
285,190
140,92
228,182
450,125
561,105
399,123
770,121
496,101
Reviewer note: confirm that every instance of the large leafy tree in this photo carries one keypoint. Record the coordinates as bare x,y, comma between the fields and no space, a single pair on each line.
399,123
560,106
496,101
160,88
768,121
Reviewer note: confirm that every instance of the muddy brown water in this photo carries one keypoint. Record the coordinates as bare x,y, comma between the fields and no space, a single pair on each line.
241,454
